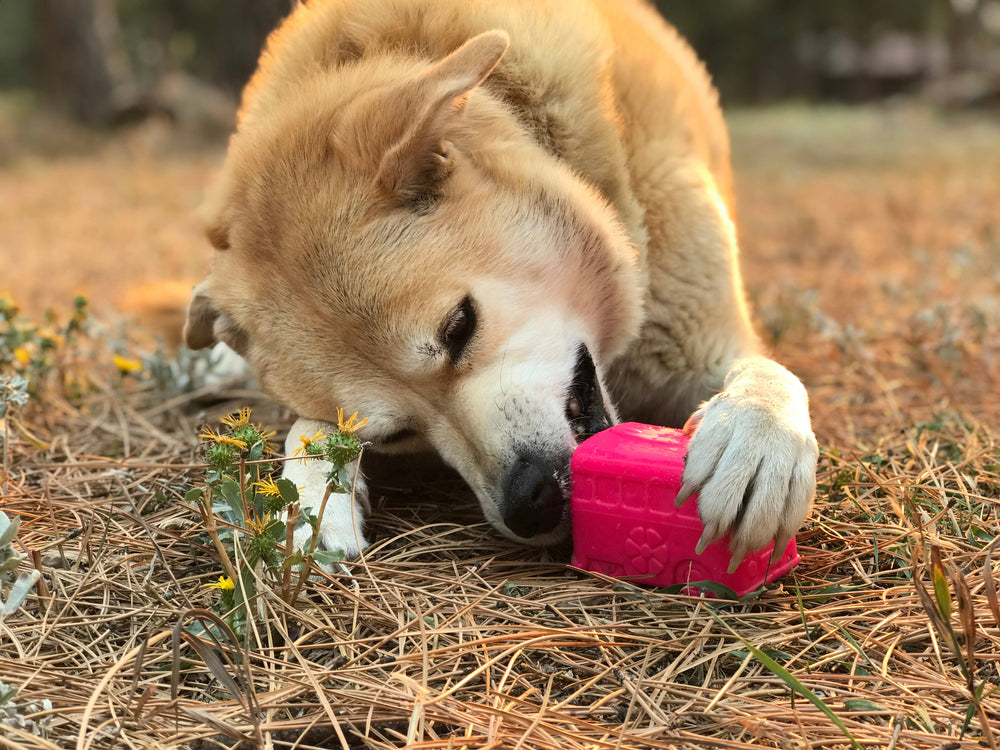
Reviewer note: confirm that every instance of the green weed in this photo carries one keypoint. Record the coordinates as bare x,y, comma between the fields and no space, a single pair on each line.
242,505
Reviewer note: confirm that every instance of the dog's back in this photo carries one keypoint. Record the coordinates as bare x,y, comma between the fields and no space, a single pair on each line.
586,77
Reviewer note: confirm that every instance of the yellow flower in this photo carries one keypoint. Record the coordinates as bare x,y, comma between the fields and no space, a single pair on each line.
223,584
22,355
268,488
241,421
127,365
215,437
351,425
266,435
307,441
260,525
238,420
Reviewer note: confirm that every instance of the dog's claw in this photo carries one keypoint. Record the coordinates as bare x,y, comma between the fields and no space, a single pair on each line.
686,491
694,420
780,543
738,555
707,537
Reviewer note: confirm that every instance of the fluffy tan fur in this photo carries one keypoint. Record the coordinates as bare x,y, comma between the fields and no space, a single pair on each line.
564,159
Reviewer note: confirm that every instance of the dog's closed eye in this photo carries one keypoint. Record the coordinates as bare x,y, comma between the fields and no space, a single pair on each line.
458,329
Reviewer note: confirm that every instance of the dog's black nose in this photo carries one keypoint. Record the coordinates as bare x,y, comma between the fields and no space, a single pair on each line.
533,500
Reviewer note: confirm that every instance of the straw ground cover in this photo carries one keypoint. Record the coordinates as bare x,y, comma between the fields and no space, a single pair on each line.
871,247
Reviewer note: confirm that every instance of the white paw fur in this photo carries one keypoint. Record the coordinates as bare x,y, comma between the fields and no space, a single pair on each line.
223,364
342,525
752,459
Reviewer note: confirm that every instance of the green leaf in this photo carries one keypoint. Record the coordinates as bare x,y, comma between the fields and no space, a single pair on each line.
713,587
256,452
854,704
8,528
790,680
773,653
305,543
855,645
306,519
970,711
340,480
7,693
289,492
941,593
194,496
19,591
327,556
198,629
231,491
805,692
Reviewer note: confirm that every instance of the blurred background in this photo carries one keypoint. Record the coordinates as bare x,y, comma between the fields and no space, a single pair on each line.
104,62
866,147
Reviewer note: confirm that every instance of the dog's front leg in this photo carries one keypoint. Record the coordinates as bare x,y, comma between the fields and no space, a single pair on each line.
752,458
342,522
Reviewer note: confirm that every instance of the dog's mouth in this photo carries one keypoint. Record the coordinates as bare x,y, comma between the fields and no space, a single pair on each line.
536,487
585,408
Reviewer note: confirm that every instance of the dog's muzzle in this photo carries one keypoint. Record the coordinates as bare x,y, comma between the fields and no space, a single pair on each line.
536,487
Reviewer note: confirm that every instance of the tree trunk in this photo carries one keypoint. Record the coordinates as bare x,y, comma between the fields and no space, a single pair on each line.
84,71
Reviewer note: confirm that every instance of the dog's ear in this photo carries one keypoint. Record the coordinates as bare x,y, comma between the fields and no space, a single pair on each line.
418,159
199,328
206,326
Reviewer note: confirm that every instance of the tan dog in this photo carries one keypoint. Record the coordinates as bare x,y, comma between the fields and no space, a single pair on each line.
490,228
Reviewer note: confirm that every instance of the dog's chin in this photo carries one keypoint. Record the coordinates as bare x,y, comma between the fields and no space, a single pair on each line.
547,539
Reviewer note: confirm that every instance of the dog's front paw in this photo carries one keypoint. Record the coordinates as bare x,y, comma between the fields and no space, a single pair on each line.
752,459
342,520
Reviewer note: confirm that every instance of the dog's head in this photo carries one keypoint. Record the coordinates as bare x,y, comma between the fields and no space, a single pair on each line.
390,241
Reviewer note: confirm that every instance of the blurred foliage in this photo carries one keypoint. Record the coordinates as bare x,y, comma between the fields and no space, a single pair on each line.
16,44
217,40
849,49
755,49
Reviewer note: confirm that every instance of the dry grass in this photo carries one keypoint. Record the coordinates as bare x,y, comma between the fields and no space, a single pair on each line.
873,265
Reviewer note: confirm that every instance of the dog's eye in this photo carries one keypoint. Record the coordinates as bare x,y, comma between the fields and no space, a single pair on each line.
458,329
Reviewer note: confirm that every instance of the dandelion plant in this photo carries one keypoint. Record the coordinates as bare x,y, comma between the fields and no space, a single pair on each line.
251,516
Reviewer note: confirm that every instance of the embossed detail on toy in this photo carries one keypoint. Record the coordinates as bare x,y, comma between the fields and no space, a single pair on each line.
646,550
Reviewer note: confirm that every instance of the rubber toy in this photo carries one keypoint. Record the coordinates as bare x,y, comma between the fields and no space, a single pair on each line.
625,480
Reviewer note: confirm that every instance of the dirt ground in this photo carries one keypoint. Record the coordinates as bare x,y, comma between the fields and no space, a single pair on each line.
871,253
871,250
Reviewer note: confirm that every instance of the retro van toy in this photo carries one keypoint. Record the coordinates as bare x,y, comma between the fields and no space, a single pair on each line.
625,480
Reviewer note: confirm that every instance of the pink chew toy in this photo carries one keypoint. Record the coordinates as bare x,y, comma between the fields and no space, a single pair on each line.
625,480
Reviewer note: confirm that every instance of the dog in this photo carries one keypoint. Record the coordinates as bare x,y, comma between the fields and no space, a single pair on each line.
492,229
